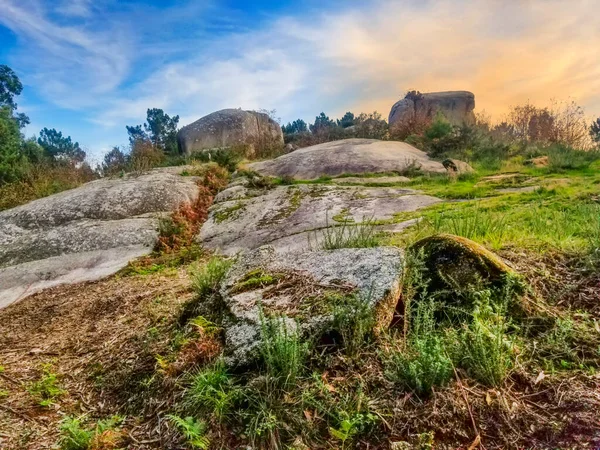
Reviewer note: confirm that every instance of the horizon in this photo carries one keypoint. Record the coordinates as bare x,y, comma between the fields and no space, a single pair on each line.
90,69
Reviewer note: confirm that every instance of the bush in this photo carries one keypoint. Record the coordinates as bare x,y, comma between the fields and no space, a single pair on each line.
423,363
486,353
562,157
103,435
226,158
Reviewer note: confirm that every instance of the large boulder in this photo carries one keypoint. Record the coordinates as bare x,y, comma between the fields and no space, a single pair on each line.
231,128
304,289
85,233
296,218
349,156
456,106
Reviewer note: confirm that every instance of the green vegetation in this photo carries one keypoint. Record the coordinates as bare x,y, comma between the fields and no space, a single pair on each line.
354,320
104,434
192,430
225,214
350,235
207,277
282,349
212,390
47,389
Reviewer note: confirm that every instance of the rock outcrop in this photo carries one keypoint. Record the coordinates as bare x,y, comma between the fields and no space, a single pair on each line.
85,233
305,288
349,156
231,128
456,106
296,218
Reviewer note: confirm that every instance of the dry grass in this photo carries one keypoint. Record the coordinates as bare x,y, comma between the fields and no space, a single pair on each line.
88,332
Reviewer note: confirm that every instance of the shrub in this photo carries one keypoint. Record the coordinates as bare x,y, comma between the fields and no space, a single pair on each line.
423,363
47,388
562,157
485,350
224,157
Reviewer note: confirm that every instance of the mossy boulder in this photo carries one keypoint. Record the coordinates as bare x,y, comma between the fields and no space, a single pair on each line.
454,262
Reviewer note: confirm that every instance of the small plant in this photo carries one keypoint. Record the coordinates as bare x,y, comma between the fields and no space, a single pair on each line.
226,158
486,352
423,363
207,278
350,235
213,390
282,349
354,319
104,435
193,430
47,388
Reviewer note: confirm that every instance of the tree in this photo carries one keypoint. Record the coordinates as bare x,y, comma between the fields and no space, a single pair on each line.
346,121
296,127
60,147
595,131
10,143
322,123
11,87
114,161
160,129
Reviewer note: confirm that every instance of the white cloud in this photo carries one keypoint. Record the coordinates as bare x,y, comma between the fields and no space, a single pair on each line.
76,8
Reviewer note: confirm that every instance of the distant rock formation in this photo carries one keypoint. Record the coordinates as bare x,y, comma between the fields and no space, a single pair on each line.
230,128
456,106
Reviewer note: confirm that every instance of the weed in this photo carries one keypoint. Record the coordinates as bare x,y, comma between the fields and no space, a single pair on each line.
354,319
282,349
212,390
423,362
256,279
349,235
485,350
351,425
105,434
206,279
47,388
193,430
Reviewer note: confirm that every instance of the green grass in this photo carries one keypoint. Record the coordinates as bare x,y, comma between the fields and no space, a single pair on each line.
350,235
206,278
282,348
212,390
353,319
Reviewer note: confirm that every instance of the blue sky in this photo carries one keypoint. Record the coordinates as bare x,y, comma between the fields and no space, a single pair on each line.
91,67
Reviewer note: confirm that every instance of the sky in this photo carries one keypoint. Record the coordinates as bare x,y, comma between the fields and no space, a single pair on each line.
90,67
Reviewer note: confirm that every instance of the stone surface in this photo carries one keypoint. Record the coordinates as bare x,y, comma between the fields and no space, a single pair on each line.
456,166
298,290
348,156
85,233
292,218
230,128
455,262
456,106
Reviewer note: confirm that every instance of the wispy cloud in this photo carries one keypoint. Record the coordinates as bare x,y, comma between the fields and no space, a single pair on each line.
194,58
75,8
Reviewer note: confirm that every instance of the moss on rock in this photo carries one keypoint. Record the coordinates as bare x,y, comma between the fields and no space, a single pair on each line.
454,261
